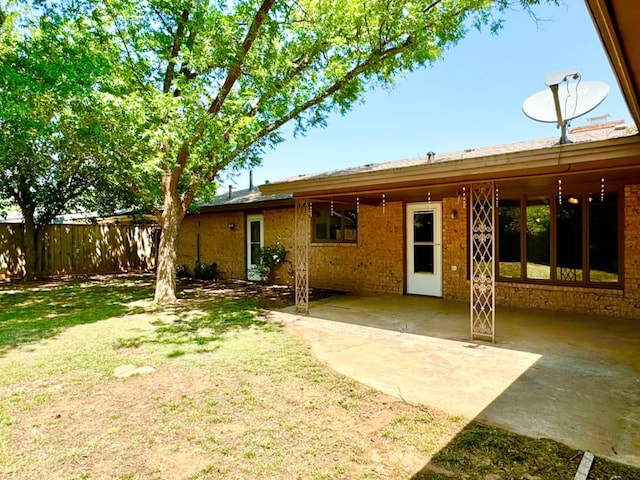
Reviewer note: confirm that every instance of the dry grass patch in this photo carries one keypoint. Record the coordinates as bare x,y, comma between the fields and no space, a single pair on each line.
232,396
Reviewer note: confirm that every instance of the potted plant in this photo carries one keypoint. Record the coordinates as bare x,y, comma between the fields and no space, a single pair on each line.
269,257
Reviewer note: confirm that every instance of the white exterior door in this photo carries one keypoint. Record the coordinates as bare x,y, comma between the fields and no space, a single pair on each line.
424,248
255,241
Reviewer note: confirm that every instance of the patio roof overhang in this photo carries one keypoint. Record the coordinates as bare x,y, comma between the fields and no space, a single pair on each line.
616,22
617,159
243,207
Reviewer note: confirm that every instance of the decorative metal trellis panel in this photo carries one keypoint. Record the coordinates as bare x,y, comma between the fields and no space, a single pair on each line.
302,233
482,260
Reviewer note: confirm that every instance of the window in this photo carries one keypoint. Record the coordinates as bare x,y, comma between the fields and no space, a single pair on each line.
571,242
538,222
603,238
337,225
569,239
509,222
423,242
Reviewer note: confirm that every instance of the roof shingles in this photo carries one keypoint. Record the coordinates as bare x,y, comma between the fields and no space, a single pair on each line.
517,147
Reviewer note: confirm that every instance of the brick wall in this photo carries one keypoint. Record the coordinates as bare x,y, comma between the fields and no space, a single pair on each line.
218,243
632,243
455,257
278,228
374,264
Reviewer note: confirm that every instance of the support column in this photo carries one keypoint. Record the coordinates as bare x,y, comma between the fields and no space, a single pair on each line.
482,261
302,239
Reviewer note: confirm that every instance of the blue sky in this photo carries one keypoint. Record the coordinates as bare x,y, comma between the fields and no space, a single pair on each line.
471,98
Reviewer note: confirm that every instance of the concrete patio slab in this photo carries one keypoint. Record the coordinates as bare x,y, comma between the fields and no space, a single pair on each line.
572,378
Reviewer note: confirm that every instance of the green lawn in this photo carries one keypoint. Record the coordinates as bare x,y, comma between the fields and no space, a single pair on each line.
231,396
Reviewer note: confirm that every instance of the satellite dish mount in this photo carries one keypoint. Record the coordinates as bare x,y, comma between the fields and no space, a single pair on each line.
559,106
553,80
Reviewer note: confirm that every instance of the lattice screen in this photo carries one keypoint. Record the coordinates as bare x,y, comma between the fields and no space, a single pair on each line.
302,233
482,253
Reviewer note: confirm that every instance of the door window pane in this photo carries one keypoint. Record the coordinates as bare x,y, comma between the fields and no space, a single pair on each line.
603,238
254,247
423,227
538,216
255,232
423,259
569,239
509,214
254,254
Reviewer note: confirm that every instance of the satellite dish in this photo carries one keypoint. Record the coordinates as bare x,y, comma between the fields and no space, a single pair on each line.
575,100
562,103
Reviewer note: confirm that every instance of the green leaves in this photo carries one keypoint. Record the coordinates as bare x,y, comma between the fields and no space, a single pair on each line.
222,77
58,120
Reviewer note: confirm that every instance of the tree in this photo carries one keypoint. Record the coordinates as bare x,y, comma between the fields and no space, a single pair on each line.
56,124
219,79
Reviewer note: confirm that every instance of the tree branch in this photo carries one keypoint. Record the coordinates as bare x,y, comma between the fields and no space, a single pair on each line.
293,113
432,6
161,19
320,97
236,67
120,35
302,64
175,50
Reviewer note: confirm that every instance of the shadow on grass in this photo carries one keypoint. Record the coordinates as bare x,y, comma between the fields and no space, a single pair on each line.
481,452
205,311
33,312
204,330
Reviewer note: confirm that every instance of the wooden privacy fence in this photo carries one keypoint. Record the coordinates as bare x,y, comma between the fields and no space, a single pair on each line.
81,249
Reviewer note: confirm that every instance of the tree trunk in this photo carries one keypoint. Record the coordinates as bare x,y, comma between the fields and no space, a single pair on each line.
170,220
29,245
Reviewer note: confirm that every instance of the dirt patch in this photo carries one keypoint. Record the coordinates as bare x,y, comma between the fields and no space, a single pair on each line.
171,424
267,296
114,430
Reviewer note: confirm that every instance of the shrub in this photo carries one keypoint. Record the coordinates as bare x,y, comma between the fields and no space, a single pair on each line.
202,271
182,271
270,256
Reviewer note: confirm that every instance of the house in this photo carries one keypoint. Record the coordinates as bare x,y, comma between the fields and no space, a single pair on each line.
534,224
404,227
231,228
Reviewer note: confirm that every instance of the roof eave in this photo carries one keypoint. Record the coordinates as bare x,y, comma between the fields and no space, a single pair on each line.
604,14
238,207
582,156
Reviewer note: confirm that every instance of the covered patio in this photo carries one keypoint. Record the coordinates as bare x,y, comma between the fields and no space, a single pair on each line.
531,224
570,377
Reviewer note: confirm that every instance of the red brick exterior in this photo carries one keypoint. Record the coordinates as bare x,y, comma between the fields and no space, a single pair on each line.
376,263
216,242
455,256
